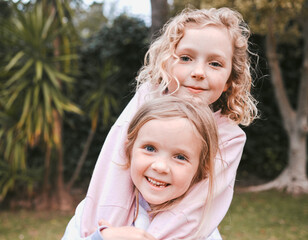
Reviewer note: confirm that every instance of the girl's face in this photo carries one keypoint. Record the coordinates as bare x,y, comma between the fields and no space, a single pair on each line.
205,63
165,158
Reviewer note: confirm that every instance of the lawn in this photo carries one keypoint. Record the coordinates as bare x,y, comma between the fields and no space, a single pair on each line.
266,216
256,216
30,225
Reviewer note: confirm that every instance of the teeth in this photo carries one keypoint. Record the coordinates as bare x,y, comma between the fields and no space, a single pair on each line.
158,184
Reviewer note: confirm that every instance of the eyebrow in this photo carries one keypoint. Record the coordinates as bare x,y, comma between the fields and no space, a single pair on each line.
214,54
187,48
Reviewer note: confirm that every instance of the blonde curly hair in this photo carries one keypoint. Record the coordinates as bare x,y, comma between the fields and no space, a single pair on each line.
237,102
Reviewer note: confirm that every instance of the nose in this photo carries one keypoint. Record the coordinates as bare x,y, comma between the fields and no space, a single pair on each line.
198,73
160,165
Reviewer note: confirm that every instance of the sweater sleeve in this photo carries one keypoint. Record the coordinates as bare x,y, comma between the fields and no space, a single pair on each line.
111,194
72,231
182,221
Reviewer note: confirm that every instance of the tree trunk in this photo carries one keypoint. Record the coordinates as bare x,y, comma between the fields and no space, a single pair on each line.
293,178
46,186
44,200
81,160
297,163
159,9
64,199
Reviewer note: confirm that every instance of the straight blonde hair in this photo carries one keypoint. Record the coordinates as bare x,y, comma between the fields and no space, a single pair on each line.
200,116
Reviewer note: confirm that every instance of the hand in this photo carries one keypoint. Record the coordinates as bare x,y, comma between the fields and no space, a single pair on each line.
125,233
104,222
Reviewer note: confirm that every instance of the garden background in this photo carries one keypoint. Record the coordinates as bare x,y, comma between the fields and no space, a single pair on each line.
66,72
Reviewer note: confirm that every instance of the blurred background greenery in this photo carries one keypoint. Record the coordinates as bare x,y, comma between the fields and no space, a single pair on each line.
67,71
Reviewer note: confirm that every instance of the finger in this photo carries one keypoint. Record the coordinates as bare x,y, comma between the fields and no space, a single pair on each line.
104,222
148,236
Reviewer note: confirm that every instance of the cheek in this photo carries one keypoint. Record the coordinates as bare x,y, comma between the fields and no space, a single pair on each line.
219,86
180,72
185,182
173,85
184,186
178,78
135,168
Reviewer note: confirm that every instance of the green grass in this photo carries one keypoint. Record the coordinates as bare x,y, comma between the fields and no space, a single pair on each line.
267,215
256,216
33,225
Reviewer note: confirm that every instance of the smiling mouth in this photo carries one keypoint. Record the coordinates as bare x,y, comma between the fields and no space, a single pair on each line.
157,183
195,90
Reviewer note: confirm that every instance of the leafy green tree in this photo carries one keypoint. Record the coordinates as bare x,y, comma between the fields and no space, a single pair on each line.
110,60
91,20
35,84
62,44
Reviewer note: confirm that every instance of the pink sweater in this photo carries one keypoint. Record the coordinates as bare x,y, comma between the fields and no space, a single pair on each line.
110,195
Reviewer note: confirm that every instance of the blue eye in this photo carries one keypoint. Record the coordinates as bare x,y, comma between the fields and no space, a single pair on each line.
185,58
215,64
149,148
181,157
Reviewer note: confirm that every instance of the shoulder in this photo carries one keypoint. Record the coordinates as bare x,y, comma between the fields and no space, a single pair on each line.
232,140
227,129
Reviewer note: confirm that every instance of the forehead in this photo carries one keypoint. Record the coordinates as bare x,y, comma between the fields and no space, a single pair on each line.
173,126
205,26
209,38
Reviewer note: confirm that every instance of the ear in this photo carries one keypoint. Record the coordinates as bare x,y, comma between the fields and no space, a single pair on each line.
226,87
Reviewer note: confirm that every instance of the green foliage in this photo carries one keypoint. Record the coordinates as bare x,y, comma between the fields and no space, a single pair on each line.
109,61
36,80
12,178
90,21
5,10
34,83
31,87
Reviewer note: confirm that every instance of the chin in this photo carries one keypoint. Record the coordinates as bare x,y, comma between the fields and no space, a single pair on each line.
153,201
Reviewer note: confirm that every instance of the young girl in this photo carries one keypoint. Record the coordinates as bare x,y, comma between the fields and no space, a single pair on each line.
203,54
171,145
